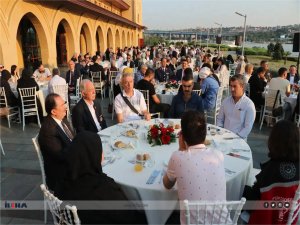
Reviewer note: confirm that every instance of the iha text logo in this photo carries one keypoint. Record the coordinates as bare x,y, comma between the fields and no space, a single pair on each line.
15,205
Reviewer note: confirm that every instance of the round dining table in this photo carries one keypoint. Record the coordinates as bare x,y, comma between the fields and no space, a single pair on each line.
168,95
159,202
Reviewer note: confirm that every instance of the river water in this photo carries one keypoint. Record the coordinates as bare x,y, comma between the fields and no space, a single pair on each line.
286,47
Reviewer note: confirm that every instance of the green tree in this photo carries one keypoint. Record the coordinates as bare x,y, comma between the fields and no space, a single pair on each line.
278,51
286,54
270,49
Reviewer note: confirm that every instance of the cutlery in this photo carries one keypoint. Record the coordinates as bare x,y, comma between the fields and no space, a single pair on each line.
153,176
230,138
240,150
110,161
162,173
228,171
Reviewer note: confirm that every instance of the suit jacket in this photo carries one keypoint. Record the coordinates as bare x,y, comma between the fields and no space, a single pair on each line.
98,68
131,64
74,78
296,79
82,118
54,145
178,76
161,75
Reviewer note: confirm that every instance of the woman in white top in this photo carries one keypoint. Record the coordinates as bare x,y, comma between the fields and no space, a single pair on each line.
198,170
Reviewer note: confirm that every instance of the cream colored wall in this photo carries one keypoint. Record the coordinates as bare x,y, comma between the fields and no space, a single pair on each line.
46,21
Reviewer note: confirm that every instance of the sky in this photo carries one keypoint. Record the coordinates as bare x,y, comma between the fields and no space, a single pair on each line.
180,14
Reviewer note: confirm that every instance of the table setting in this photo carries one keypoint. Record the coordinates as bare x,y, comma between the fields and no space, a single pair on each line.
166,91
141,164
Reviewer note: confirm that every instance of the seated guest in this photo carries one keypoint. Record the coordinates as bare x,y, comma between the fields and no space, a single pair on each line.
163,73
248,72
96,67
42,73
54,138
71,77
237,112
10,97
87,115
154,103
180,72
258,83
14,73
212,72
129,62
55,80
240,69
186,99
293,76
139,75
209,87
189,72
85,181
264,64
279,176
282,84
198,170
130,103
173,64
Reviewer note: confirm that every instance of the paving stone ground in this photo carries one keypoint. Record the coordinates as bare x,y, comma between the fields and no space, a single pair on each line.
20,170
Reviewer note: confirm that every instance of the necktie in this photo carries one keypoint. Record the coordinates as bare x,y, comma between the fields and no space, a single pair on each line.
67,131
71,75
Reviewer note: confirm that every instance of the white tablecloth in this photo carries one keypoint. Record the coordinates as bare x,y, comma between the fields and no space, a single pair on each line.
292,99
134,183
168,96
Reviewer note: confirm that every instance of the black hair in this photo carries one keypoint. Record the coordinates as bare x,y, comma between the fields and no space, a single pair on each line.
148,72
50,102
281,71
193,126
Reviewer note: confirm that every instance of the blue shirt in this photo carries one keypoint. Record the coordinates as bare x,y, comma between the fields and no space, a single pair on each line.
237,117
138,76
179,106
209,92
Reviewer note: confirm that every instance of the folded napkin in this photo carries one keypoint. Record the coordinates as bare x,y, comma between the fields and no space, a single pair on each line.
153,176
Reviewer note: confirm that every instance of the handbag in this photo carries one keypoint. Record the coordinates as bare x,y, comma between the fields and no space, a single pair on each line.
131,106
279,110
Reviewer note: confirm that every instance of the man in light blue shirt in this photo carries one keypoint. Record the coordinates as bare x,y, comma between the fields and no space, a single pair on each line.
237,112
209,87
139,75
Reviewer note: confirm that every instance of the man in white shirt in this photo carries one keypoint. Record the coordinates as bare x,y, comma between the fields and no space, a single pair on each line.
55,80
237,112
87,115
42,73
134,97
282,84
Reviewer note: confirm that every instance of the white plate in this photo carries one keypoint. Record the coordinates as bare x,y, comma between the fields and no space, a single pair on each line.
124,134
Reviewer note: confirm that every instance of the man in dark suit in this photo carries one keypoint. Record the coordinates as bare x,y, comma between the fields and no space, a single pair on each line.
163,73
180,73
257,84
54,138
71,77
96,67
293,76
87,115
129,62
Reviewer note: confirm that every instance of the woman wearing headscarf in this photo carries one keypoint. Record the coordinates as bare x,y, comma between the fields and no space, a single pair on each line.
85,181
10,97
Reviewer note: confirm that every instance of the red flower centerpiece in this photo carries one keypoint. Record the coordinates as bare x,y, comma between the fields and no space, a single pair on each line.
160,135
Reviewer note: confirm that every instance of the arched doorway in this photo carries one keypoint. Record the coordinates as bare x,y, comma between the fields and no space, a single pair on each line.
124,44
61,45
128,40
85,40
109,39
118,44
28,42
100,39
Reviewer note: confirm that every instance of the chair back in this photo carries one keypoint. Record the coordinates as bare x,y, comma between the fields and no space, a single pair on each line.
40,157
295,209
247,89
217,212
28,99
96,78
219,100
232,68
62,90
112,77
61,215
146,97
198,92
3,99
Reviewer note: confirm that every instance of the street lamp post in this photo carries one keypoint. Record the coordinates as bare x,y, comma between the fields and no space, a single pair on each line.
220,33
207,38
244,37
